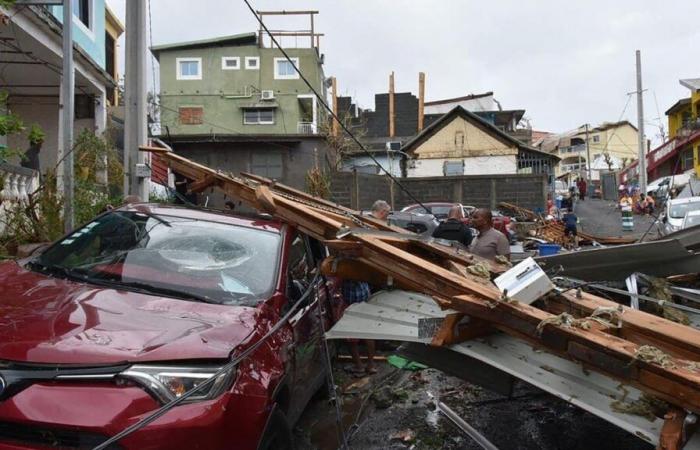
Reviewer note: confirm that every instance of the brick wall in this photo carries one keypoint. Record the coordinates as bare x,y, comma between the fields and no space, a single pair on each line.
359,191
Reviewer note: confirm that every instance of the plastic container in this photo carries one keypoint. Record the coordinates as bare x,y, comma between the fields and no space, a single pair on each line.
549,249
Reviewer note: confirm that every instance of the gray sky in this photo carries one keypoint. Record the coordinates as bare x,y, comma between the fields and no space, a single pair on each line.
566,63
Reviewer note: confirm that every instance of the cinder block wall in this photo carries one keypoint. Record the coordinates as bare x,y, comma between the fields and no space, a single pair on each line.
359,191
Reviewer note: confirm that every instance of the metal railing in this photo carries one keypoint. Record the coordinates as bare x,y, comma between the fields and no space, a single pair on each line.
306,128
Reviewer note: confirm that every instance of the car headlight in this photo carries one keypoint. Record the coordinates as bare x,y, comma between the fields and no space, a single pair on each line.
168,383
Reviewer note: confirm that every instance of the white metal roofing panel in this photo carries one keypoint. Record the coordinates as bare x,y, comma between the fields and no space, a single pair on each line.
394,315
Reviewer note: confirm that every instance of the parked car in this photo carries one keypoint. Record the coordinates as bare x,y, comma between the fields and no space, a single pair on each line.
691,219
142,304
411,221
676,210
439,209
442,209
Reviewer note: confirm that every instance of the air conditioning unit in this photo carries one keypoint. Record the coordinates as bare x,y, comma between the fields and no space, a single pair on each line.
267,95
393,145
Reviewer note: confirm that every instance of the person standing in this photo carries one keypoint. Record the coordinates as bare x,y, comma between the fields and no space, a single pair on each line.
453,229
490,243
380,210
582,186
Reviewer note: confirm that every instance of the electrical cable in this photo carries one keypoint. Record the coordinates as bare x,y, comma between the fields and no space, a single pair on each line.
329,109
224,370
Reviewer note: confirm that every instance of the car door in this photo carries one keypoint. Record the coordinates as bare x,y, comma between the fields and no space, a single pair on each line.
308,369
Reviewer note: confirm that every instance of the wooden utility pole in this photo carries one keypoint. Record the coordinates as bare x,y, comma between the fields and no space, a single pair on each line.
588,155
392,124
334,92
421,99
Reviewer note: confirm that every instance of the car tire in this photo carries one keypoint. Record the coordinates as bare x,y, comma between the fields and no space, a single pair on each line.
278,435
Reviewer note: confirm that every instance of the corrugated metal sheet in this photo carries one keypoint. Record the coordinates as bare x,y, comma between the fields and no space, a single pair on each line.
394,315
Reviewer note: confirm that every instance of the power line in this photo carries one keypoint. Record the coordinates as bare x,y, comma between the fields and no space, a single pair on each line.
328,108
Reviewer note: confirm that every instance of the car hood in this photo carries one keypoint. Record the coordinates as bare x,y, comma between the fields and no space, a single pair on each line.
52,320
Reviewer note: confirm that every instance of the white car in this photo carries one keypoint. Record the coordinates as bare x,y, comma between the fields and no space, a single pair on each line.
676,210
691,219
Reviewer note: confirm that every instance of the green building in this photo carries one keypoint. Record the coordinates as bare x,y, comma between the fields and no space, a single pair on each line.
232,85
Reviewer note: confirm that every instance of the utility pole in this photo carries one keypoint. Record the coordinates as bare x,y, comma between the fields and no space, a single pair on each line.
588,155
421,100
136,173
67,105
642,165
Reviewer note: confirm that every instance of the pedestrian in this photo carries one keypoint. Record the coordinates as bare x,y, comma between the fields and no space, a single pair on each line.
582,187
380,210
489,243
649,204
570,231
358,292
453,229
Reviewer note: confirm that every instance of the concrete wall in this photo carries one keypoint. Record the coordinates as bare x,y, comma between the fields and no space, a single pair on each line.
479,165
91,40
393,165
224,115
359,191
459,139
297,158
43,111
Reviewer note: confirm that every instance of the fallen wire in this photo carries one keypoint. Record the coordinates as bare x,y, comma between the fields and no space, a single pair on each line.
224,370
355,427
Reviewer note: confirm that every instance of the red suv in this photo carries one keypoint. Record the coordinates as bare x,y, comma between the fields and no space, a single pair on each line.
141,305
441,210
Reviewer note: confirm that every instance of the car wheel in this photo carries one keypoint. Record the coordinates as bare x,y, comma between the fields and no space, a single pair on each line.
278,434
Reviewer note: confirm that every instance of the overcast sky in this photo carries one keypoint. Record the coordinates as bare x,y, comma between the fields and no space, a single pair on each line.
566,63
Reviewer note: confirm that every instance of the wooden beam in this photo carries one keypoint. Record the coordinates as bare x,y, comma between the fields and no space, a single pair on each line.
392,113
421,100
334,92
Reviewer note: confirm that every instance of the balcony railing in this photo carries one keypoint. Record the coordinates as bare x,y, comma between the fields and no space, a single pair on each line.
306,128
580,148
16,182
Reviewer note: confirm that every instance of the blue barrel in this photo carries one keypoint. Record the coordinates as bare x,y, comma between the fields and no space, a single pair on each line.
549,249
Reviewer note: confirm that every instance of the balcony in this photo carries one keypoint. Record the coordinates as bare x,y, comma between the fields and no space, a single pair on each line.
580,148
306,128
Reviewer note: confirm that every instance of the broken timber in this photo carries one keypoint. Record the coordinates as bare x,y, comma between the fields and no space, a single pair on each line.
429,268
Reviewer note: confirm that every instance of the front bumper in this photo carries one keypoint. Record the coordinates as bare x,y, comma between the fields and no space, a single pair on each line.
81,415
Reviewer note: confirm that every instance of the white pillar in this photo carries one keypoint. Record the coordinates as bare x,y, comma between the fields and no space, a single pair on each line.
100,127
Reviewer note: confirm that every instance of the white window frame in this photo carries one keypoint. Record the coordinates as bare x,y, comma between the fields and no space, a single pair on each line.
596,138
259,122
294,76
188,77
225,59
248,59
88,30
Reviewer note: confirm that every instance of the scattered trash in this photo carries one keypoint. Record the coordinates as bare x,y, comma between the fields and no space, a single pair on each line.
645,406
480,270
405,364
406,435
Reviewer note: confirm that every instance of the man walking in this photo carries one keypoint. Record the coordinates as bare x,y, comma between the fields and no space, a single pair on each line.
490,243
453,229
582,186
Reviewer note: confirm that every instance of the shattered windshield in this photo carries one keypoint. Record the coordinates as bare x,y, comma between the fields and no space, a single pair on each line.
678,211
172,256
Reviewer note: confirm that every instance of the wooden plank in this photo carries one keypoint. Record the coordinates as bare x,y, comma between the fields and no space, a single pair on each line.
479,299
200,185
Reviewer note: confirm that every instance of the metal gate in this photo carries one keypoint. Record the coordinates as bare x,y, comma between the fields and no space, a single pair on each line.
608,182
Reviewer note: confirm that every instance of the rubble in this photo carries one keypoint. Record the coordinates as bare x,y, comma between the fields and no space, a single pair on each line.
423,266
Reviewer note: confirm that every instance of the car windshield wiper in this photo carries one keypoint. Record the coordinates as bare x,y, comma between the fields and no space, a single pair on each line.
150,289
63,272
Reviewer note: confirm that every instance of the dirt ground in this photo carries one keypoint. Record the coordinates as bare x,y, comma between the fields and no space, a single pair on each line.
395,409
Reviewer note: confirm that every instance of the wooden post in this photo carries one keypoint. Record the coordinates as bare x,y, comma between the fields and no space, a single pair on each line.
421,100
392,130
311,16
334,92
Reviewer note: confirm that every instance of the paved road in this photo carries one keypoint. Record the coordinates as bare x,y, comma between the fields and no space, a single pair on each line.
602,218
